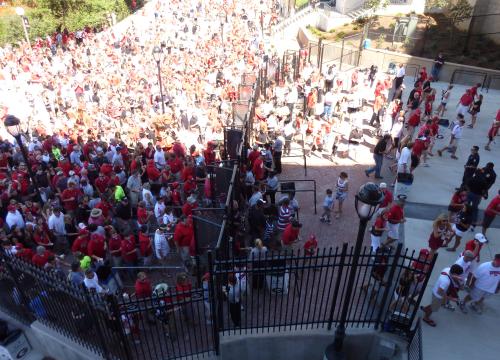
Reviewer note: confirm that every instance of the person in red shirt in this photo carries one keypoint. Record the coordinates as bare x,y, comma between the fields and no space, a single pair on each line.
143,287
176,165
41,257
183,288
290,235
23,253
191,203
473,90
475,245
464,103
254,155
129,251
145,247
101,183
491,212
81,242
69,197
209,154
96,248
114,246
143,215
311,245
189,186
388,198
377,230
493,131
420,148
395,216
152,172
183,235
413,122
258,168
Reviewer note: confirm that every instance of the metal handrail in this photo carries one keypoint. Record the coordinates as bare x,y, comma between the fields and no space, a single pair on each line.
489,81
483,74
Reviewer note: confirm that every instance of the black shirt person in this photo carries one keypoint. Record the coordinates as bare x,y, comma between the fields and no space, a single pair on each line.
478,188
471,164
378,156
438,65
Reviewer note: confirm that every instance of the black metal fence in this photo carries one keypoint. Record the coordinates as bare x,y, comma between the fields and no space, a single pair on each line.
276,291
291,290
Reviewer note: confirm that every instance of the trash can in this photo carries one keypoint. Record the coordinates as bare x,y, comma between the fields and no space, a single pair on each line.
16,344
403,185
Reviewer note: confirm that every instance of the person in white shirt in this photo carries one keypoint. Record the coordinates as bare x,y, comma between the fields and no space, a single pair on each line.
56,222
404,160
440,292
91,282
485,282
456,135
161,246
159,157
14,218
159,210
400,75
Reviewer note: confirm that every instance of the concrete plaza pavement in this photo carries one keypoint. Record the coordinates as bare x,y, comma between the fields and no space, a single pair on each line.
457,335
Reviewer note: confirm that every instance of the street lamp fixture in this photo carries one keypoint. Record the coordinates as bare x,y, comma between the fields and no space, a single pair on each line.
367,201
20,11
13,126
222,18
157,56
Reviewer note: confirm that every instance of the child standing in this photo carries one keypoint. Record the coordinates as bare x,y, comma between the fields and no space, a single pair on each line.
327,207
342,189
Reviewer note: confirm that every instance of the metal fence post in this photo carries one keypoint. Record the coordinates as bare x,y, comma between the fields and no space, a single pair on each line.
212,299
337,284
315,199
116,313
341,55
320,49
100,334
394,265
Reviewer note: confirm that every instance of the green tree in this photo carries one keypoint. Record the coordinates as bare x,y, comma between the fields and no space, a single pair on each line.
459,11
61,8
375,5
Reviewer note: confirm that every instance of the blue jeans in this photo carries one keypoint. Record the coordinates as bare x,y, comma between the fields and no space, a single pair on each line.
435,73
328,111
378,165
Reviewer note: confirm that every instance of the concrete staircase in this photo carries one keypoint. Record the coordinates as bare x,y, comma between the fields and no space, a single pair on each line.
357,13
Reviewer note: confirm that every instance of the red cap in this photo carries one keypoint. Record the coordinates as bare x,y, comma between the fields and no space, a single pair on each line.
11,208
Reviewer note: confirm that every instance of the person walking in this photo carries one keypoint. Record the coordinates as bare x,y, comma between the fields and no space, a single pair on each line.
475,110
328,204
492,210
233,293
471,164
377,230
485,282
395,217
445,96
456,135
379,151
290,235
342,191
478,189
463,223
442,292
400,75
440,229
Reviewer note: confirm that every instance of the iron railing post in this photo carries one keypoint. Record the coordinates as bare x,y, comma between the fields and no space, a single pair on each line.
394,265
341,266
212,299
97,325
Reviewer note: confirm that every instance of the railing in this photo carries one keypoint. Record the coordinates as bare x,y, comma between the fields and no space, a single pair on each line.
291,290
481,74
490,80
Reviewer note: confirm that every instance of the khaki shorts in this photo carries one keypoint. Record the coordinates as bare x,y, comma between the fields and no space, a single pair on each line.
436,303
478,294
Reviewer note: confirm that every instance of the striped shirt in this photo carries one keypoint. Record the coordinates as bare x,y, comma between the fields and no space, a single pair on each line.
284,216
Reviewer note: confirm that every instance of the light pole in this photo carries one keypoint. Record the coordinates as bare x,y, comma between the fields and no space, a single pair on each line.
367,201
13,126
222,18
157,55
24,20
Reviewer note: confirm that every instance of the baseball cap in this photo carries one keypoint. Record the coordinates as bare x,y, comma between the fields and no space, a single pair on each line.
468,253
481,238
383,186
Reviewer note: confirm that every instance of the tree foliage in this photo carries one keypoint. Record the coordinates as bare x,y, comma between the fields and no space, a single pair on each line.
375,5
47,16
459,11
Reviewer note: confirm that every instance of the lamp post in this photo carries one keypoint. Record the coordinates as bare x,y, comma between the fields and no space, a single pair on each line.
367,201
157,55
13,126
222,18
24,20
